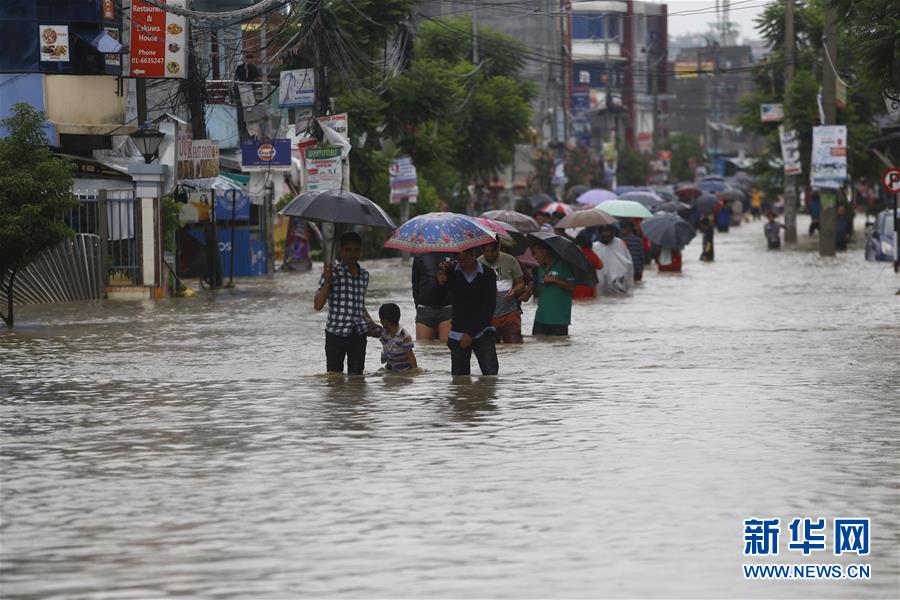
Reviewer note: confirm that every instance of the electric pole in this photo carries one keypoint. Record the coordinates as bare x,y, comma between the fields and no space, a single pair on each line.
790,181
475,32
828,216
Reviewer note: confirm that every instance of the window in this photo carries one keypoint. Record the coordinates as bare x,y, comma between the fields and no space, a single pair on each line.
588,27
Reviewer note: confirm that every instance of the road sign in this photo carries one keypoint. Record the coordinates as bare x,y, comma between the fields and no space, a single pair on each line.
891,180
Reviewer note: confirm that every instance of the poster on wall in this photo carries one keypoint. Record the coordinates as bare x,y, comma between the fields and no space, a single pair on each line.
323,168
114,60
54,40
158,41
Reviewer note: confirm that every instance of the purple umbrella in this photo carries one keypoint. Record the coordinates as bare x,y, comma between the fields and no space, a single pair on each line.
440,232
595,196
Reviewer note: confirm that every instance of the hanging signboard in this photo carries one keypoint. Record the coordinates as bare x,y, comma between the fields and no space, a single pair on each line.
194,159
790,151
323,168
158,41
828,168
296,88
54,40
264,156
404,181
109,11
771,113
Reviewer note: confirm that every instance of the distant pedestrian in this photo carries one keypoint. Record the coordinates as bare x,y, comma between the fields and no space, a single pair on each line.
510,283
723,216
772,229
636,247
669,260
815,211
555,284
471,289
544,220
709,251
843,227
617,275
432,315
583,241
343,287
756,204
397,345
247,71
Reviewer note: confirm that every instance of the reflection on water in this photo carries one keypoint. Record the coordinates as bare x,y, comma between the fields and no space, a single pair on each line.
194,447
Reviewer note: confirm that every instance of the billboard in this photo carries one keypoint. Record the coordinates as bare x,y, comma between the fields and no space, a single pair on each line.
158,41
264,156
297,88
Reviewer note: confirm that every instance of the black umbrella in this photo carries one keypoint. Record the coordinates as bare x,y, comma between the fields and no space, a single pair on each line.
667,230
705,203
338,206
676,206
568,251
574,192
540,199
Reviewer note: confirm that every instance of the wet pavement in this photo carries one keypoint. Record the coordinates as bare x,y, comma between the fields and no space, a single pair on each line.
194,448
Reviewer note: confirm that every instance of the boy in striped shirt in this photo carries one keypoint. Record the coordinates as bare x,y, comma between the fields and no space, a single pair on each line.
398,345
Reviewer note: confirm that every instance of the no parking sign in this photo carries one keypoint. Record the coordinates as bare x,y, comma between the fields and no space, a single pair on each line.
891,180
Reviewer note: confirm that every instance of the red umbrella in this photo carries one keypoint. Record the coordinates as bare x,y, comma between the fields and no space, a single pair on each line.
557,208
688,192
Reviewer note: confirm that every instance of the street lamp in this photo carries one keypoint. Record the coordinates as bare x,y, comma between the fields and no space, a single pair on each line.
147,139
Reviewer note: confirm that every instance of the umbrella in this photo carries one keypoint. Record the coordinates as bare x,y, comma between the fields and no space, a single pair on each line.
569,252
680,208
557,208
666,193
712,178
521,222
498,228
733,194
668,230
595,196
705,203
649,199
440,232
338,206
688,191
625,208
540,199
624,189
587,218
575,191
526,259
712,185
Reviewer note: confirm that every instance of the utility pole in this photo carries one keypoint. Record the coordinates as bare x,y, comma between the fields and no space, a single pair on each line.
654,90
790,181
828,216
475,32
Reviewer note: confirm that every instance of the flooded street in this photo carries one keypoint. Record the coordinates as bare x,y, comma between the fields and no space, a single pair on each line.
194,447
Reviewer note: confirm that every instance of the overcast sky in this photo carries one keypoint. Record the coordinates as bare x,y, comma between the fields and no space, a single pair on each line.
742,12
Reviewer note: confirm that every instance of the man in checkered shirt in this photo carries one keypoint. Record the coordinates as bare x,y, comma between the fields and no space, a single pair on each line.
343,287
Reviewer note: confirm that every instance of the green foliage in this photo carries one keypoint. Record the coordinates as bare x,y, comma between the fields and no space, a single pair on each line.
873,29
684,148
170,220
283,201
633,167
583,168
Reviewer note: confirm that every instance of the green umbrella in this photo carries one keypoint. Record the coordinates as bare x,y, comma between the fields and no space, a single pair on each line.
624,209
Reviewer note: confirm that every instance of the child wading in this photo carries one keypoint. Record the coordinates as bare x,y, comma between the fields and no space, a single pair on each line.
772,229
397,345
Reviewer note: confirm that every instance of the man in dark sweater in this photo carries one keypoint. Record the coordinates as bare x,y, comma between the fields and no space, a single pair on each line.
472,291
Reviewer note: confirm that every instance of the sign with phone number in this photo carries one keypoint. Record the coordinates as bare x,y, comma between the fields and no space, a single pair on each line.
158,41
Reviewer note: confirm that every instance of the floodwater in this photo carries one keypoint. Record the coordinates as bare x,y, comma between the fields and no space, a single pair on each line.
194,448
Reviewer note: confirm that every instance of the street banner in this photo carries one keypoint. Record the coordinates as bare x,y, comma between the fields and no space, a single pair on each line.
158,41
404,181
297,88
265,156
790,151
54,41
771,113
645,142
323,168
194,159
828,168
336,132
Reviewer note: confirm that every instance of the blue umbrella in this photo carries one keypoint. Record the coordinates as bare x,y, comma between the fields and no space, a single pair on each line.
440,232
667,230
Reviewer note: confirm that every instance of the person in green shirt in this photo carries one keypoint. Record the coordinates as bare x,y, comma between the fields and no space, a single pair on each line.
556,283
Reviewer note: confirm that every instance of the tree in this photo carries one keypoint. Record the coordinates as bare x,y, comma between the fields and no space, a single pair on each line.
873,29
35,189
632,168
684,148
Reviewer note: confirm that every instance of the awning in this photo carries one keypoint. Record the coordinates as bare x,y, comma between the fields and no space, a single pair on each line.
104,43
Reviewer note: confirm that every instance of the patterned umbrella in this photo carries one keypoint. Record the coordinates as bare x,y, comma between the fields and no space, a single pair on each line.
596,196
499,228
557,208
523,223
440,232
625,209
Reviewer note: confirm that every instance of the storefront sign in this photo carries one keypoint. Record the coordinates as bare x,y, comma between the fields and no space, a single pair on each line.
323,168
263,156
54,43
829,156
297,89
195,159
158,41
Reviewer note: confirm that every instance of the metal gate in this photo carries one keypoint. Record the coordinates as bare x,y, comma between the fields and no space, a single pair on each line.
70,272
119,232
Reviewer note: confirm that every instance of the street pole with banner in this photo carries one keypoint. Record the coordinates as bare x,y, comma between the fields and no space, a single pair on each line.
791,200
233,222
828,215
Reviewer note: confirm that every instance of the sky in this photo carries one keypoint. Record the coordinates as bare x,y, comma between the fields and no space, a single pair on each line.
742,12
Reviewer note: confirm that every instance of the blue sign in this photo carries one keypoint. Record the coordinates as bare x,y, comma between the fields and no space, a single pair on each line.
262,156
224,205
581,102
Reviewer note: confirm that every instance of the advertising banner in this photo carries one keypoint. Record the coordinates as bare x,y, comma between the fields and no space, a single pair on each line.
336,132
404,180
771,113
790,151
240,200
54,43
264,156
158,41
195,159
828,168
323,168
297,88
